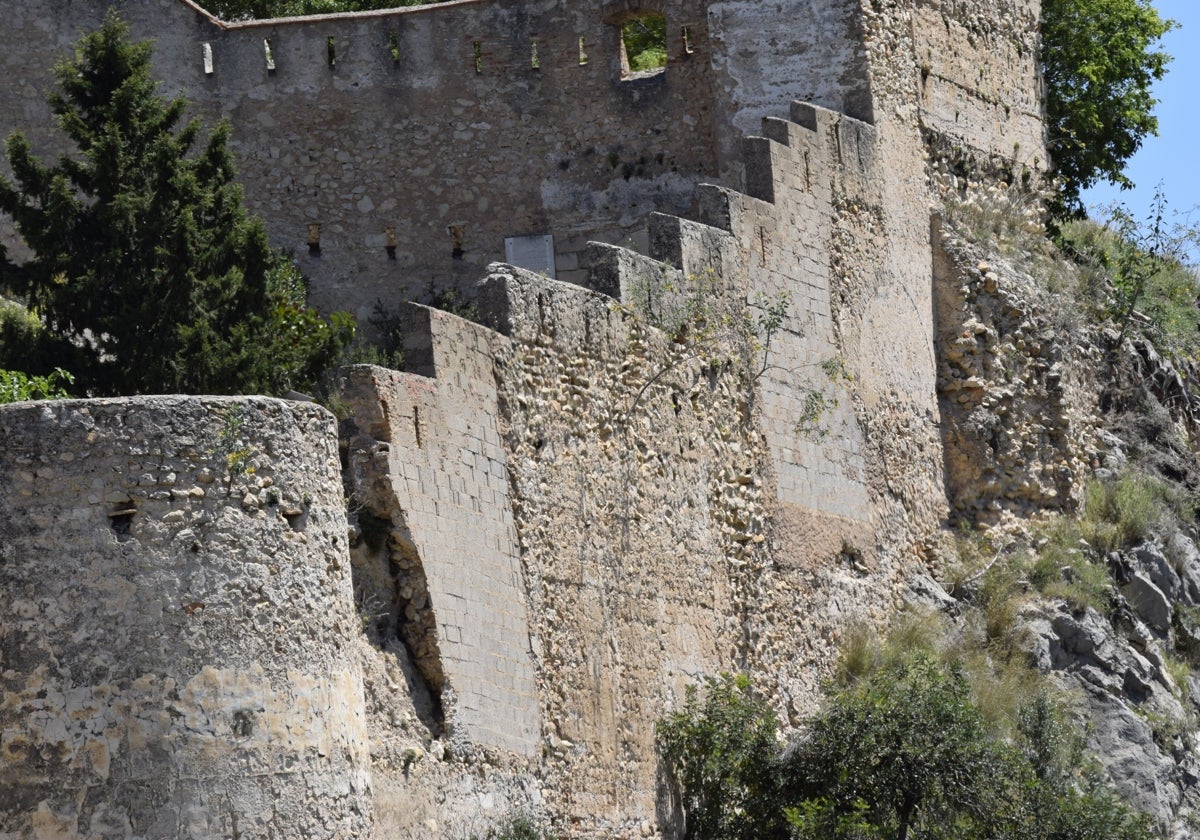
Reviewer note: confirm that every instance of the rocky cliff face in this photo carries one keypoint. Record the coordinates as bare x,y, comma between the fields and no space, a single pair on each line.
1042,410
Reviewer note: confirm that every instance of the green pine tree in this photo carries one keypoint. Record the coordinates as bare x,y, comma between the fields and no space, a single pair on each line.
149,276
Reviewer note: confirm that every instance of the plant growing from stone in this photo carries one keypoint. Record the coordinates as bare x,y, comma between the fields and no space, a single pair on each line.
906,744
705,322
16,386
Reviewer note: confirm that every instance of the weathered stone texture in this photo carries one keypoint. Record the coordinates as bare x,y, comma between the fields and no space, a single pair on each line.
564,515
1018,398
980,82
638,497
174,657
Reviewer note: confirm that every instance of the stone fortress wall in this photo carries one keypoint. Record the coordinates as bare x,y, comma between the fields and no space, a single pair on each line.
545,549
386,131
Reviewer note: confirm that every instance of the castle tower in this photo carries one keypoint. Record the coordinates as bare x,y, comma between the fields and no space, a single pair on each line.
177,603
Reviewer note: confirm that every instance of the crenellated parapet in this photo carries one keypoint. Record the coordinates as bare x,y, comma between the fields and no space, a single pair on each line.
398,153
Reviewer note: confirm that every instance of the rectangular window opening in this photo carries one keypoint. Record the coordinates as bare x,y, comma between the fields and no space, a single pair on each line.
686,33
582,52
269,54
534,63
643,45
208,60
331,51
394,46
478,51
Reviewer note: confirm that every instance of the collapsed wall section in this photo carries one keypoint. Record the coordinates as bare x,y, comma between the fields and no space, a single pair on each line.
174,609
426,456
1019,402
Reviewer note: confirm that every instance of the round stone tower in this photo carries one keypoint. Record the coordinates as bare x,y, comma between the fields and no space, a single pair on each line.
175,621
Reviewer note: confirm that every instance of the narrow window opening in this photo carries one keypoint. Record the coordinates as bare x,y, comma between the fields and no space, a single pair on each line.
394,46
478,51
331,51
417,425
269,54
582,51
314,240
686,34
121,518
208,60
534,63
390,246
643,45
296,519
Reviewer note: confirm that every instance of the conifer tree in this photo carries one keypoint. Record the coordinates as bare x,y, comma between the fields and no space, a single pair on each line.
147,269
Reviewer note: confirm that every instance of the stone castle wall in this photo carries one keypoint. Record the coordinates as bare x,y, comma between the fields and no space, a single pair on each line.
564,514
670,518
427,457
388,133
370,123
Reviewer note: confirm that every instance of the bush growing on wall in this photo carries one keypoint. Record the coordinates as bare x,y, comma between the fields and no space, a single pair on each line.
149,276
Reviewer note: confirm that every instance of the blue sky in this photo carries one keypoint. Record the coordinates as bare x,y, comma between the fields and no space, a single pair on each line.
1173,158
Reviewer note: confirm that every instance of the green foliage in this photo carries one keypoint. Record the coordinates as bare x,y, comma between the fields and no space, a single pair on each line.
925,734
902,749
645,40
16,386
1067,557
518,827
1122,512
386,350
1062,800
148,272
26,344
1135,273
721,753
1064,568
250,9
1099,61
451,300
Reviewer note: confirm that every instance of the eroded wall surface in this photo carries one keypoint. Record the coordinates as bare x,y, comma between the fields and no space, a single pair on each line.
174,648
980,83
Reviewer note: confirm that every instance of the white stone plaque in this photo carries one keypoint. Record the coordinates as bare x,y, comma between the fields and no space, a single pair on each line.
535,253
